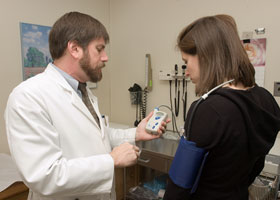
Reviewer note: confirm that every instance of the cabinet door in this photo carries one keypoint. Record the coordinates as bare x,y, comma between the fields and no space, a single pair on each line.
126,178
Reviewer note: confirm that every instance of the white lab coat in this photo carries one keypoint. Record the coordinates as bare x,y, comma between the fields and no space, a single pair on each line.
60,151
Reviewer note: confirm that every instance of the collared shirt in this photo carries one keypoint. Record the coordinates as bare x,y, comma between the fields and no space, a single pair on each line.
72,82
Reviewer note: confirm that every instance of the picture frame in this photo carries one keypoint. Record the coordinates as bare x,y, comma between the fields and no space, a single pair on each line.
34,48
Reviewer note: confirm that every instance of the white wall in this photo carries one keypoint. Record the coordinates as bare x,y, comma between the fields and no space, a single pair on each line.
140,27
42,12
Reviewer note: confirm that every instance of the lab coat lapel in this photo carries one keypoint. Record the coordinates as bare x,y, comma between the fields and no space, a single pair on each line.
79,104
75,99
94,102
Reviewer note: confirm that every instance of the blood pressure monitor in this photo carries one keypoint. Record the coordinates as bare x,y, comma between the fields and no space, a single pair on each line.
155,121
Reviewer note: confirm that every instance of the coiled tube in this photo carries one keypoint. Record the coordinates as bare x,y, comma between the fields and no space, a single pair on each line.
143,105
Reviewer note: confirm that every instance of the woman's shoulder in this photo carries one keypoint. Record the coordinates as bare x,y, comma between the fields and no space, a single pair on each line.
218,104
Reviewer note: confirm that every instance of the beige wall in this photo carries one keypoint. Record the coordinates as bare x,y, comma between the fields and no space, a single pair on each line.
136,28
42,12
140,27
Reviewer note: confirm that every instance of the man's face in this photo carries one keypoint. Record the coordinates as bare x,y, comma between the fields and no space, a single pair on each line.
94,59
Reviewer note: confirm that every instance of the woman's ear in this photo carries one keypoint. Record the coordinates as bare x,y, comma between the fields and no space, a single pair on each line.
75,50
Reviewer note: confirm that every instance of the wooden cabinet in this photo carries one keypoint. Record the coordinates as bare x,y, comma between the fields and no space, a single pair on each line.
17,191
155,160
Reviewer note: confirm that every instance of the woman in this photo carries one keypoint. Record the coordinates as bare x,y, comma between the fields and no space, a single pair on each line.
237,124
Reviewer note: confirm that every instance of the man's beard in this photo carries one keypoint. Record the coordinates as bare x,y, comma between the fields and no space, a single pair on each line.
94,75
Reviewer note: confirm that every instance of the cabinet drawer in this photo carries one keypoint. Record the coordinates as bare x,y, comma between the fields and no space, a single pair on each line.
154,161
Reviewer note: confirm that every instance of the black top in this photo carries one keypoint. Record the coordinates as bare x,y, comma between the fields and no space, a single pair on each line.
238,128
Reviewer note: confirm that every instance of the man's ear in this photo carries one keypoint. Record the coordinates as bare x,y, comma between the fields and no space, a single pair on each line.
75,50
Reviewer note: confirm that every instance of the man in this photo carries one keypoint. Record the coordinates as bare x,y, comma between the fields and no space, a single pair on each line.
61,148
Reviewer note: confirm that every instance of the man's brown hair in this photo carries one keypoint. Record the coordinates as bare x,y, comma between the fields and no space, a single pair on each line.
74,26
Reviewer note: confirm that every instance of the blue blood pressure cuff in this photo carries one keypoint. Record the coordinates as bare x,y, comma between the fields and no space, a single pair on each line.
187,165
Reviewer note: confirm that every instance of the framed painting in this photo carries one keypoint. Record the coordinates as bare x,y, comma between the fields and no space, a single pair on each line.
34,49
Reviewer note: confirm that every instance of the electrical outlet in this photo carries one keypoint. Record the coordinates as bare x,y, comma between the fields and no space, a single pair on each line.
276,89
247,35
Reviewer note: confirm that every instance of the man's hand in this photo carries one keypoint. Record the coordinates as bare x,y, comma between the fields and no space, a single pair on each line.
142,134
125,155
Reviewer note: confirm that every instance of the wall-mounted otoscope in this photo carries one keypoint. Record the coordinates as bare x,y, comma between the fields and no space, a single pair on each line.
176,74
185,93
177,92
